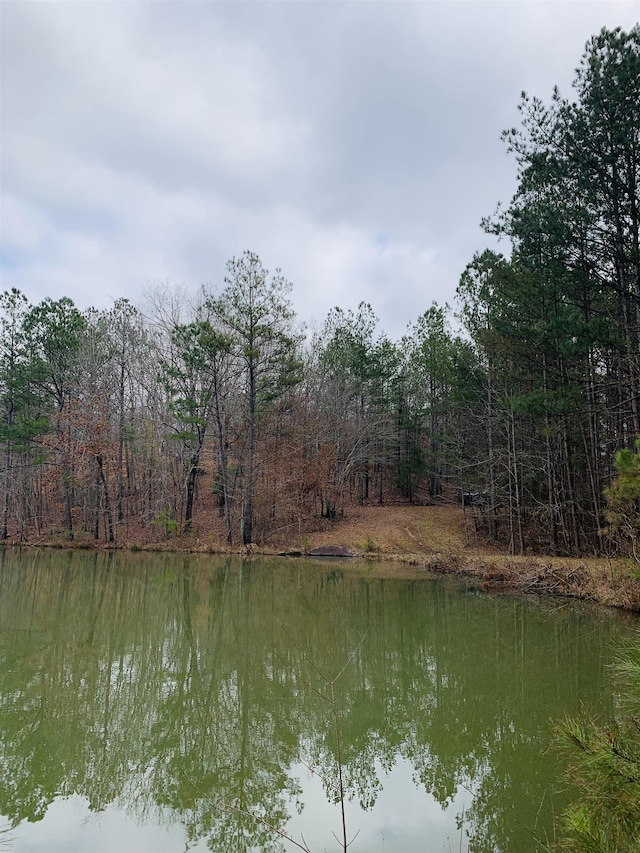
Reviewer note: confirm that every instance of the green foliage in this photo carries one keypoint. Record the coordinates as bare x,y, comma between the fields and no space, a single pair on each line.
369,543
430,351
623,498
55,330
360,394
166,523
556,326
191,377
604,761
255,316
21,419
349,342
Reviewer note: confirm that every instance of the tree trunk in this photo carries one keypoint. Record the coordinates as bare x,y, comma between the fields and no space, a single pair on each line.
247,515
192,476
107,502
8,464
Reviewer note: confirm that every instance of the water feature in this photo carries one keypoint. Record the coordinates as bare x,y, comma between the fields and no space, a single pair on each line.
165,703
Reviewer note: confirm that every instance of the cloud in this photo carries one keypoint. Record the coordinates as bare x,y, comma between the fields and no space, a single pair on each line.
354,145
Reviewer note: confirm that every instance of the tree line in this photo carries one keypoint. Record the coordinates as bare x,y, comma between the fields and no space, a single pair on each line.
525,398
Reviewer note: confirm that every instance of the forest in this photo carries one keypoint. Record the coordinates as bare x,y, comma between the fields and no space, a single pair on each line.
522,399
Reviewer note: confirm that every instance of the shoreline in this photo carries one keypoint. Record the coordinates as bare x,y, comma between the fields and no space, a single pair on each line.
396,541
611,583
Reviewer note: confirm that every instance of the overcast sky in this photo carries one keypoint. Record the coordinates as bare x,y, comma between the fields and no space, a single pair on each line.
354,145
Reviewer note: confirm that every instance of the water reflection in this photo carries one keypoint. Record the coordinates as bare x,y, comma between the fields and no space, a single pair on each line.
189,690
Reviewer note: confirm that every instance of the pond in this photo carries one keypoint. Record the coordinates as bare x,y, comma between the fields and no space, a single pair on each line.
171,703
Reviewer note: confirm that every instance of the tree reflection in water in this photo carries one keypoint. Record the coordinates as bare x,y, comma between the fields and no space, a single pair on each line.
173,686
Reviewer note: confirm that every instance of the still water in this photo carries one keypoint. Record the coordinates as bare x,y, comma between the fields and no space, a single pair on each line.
168,703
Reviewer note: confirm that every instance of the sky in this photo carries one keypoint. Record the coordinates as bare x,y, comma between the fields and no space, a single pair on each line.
353,145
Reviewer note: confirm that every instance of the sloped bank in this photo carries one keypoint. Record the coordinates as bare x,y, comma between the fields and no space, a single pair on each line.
614,584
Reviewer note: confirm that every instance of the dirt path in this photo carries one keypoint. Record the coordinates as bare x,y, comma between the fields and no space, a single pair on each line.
390,530
436,539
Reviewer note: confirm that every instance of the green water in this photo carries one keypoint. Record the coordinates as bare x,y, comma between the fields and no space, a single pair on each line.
161,703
